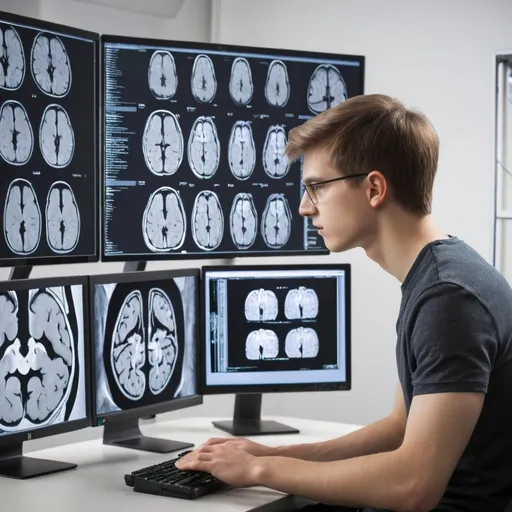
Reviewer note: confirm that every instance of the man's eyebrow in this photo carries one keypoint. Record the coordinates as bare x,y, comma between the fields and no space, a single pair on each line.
311,179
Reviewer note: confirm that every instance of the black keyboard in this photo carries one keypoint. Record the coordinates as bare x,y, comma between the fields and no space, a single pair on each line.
166,479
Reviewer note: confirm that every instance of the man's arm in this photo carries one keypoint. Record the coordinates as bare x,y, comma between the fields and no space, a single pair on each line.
381,436
410,478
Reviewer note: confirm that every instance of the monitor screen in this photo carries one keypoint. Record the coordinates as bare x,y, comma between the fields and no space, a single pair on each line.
194,146
272,328
48,143
43,355
145,331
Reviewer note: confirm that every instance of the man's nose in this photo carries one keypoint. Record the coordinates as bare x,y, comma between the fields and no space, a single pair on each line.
306,207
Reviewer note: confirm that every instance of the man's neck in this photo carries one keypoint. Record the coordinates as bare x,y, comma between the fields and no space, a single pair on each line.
400,242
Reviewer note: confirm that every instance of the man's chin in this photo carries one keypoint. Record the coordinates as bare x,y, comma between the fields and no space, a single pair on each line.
338,245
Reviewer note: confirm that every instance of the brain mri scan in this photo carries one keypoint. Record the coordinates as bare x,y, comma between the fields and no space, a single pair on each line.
62,218
143,344
277,86
241,150
16,136
326,88
38,364
204,148
275,162
51,68
203,81
164,222
301,303
162,143
22,218
12,59
207,221
301,342
261,344
241,87
162,75
261,305
276,221
56,137
243,221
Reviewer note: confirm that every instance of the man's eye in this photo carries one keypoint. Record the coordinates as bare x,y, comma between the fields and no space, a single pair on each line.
316,188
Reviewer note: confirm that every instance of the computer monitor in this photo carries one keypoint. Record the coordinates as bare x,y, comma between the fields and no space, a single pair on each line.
48,143
44,342
274,328
145,339
194,138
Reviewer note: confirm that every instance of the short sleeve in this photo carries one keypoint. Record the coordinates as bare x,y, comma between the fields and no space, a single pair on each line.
453,342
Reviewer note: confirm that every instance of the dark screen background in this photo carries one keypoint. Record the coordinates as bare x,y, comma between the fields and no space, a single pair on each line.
81,173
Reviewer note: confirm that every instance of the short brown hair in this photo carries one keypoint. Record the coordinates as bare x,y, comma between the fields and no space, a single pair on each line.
376,132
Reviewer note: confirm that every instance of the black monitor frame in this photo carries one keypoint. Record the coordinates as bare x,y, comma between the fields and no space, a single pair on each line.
108,38
121,428
41,25
248,398
12,461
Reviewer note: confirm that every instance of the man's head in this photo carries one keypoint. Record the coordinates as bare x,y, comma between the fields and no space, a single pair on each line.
388,155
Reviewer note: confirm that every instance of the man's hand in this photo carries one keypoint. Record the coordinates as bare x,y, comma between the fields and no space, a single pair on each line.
225,461
256,449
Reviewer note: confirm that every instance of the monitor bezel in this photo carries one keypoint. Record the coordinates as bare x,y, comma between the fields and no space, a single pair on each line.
168,405
200,255
69,426
277,388
66,30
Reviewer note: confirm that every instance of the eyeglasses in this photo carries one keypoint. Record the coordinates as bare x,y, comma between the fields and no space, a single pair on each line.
311,188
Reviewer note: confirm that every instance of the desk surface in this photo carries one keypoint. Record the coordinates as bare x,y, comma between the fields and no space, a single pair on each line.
98,482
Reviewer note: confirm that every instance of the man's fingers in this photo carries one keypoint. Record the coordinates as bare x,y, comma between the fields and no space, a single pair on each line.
194,461
217,440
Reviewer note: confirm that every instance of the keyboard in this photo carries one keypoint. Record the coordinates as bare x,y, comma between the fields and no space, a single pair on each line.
166,479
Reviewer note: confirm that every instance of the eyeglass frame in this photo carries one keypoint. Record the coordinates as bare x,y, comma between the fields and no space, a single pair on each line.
339,178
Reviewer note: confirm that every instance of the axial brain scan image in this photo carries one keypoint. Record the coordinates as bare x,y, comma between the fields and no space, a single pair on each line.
204,80
243,221
162,75
207,221
261,305
16,135
56,137
326,88
41,357
276,221
241,87
51,68
143,340
241,150
12,59
262,344
204,148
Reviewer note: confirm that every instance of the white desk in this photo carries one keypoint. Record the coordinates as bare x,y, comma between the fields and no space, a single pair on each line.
97,485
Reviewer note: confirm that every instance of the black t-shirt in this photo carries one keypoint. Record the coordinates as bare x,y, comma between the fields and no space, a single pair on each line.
455,335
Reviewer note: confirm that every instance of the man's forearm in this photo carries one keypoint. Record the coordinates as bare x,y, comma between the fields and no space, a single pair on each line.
382,436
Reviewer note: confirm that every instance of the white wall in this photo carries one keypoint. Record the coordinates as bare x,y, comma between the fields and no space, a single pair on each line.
438,56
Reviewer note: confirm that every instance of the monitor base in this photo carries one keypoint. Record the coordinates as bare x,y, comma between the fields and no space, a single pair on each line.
254,427
126,434
22,467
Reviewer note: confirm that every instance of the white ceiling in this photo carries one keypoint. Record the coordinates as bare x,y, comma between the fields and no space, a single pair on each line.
166,8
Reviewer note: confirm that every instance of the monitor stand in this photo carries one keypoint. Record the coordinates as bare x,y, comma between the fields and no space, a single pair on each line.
126,433
247,419
14,464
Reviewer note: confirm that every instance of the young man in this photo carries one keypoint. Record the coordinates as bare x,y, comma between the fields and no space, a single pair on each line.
369,167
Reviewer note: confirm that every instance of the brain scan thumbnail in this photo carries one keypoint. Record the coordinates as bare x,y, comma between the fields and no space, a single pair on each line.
277,86
16,135
262,344
41,331
162,75
162,143
56,137
275,162
301,342
12,59
261,305
207,221
241,150
204,148
276,221
22,218
164,222
241,87
141,335
203,81
243,221
62,218
326,88
301,303
51,68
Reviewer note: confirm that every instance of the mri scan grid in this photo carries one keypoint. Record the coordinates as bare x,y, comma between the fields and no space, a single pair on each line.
144,342
48,146
203,163
42,362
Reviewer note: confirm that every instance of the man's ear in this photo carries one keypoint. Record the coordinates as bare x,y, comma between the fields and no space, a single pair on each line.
377,188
